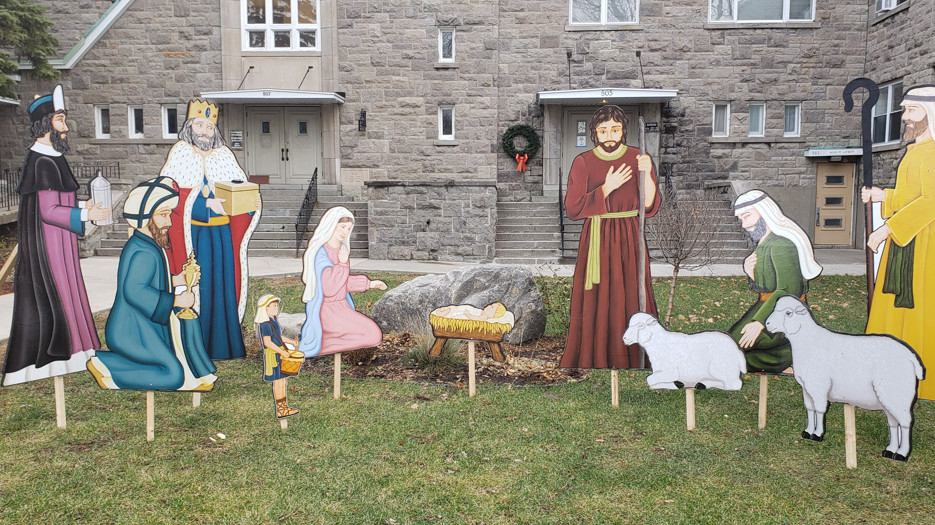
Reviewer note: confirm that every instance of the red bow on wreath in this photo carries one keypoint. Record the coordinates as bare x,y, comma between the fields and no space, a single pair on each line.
521,162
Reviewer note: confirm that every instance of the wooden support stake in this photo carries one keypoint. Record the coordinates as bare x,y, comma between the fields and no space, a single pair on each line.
472,377
150,415
196,399
850,437
9,264
59,384
337,376
614,388
764,394
690,408
284,424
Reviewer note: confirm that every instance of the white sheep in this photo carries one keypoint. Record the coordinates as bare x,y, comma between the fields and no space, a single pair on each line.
702,360
873,372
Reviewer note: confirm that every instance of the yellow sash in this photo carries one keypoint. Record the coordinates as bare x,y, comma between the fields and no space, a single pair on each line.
269,360
593,274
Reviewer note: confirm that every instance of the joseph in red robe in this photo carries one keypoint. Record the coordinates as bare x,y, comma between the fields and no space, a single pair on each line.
600,309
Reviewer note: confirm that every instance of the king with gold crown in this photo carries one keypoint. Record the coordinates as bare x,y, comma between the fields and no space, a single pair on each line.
200,225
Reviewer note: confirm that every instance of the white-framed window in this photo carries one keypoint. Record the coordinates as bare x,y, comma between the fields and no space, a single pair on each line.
446,44
446,123
281,25
887,114
888,5
170,121
792,120
102,122
761,11
720,120
756,125
602,12
135,122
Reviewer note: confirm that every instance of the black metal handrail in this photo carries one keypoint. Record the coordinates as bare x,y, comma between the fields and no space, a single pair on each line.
305,213
87,171
8,183
561,213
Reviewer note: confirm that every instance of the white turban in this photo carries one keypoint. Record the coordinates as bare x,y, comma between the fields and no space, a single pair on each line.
782,226
923,96
146,198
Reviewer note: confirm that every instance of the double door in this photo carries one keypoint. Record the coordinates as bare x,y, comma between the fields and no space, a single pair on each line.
284,143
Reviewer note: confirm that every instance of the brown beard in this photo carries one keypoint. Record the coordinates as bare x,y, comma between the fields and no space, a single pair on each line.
915,129
610,145
160,235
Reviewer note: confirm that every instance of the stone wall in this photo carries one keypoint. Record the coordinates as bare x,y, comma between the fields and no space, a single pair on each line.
901,46
159,52
453,221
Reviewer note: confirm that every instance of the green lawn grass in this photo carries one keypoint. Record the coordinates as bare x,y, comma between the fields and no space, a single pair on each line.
419,453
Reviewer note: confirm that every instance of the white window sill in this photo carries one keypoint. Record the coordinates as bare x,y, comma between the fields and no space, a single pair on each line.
762,25
133,141
883,15
446,65
603,27
756,140
281,53
446,142
887,146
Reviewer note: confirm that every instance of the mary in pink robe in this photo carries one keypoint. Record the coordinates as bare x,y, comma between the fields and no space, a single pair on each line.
332,324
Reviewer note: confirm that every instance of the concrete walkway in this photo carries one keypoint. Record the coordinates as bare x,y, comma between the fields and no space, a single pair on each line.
100,273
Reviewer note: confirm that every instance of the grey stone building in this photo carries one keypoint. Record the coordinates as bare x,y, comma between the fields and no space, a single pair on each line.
399,105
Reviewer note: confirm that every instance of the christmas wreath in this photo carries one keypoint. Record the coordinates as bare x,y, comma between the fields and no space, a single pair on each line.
532,144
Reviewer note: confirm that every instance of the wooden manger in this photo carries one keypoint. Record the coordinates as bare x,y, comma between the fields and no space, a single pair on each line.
489,331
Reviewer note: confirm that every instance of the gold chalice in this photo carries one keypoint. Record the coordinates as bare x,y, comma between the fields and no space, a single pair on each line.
192,273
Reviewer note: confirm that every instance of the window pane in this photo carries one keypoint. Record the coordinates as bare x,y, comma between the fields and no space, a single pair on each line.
307,13
879,129
895,125
759,10
447,122
721,10
282,12
447,44
720,119
105,121
303,127
257,38
800,9
756,119
622,10
791,119
282,38
897,96
256,11
138,121
264,127
586,11
306,39
172,120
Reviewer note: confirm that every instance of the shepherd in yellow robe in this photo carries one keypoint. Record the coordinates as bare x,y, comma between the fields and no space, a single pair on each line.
904,294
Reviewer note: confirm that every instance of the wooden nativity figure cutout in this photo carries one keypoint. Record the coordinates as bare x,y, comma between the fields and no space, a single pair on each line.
904,291
280,357
217,214
332,325
52,332
782,263
603,190
702,360
153,345
870,371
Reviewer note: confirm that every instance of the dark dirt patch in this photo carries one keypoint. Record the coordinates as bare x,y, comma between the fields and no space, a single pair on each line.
535,363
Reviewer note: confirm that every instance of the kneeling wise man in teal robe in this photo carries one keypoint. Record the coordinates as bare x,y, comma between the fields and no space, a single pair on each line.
151,348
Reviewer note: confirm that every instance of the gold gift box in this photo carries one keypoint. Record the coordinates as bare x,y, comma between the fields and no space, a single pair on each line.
239,197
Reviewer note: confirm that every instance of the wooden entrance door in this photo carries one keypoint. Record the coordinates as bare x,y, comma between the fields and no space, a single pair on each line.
284,143
265,147
835,207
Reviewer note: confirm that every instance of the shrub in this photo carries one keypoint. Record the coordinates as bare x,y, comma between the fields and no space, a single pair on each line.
451,357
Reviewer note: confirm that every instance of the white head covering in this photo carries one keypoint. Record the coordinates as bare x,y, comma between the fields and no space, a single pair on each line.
323,233
782,226
923,96
265,300
146,198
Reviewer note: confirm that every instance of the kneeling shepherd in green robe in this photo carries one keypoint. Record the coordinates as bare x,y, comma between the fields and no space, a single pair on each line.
150,347
782,264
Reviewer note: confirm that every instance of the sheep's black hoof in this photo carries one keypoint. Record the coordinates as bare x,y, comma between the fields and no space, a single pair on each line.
812,437
700,386
806,435
887,454
678,384
900,457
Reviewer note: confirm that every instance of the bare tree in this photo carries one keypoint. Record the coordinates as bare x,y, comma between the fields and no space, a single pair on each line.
684,233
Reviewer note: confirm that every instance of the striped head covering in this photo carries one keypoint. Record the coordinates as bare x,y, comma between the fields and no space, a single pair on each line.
146,198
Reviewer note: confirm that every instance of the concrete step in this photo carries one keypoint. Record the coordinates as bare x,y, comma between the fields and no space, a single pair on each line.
519,223
527,236
527,260
527,253
527,245
289,253
532,212
508,205
262,244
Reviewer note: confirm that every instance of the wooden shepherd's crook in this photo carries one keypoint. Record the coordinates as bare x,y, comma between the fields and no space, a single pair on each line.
866,143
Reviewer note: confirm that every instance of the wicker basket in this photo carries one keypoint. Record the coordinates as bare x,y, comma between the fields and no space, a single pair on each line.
290,365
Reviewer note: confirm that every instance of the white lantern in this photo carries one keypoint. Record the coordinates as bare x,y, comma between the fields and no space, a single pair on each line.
100,193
